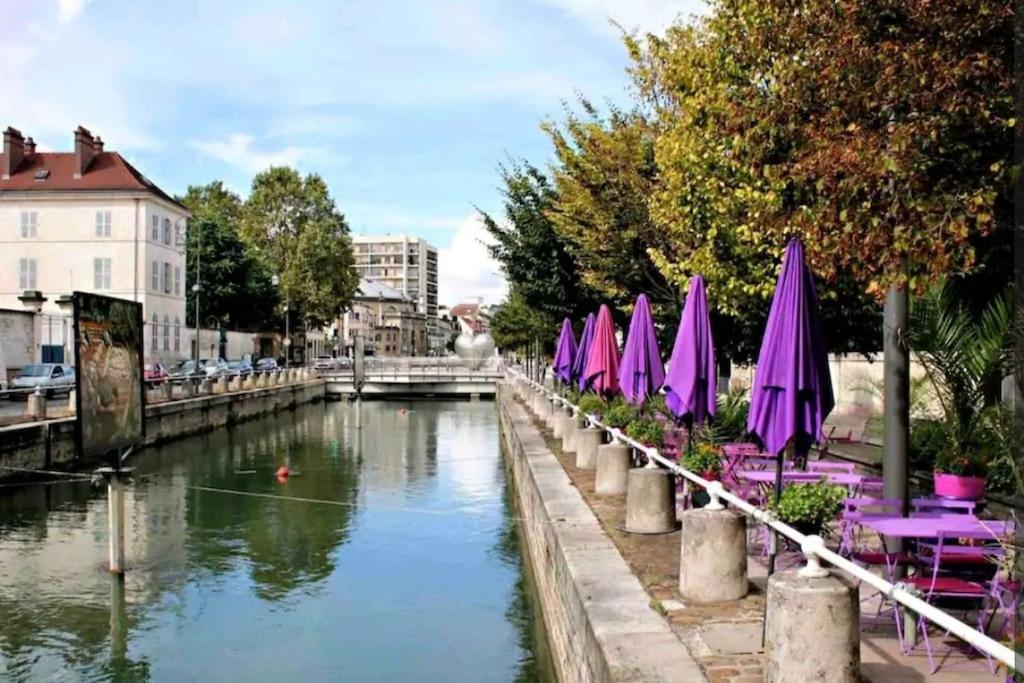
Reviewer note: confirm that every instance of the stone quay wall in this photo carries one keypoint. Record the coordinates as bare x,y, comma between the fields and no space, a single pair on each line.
599,619
50,444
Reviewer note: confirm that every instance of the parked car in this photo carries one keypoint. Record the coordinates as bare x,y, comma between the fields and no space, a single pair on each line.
266,365
326,363
214,367
181,370
51,377
155,374
239,368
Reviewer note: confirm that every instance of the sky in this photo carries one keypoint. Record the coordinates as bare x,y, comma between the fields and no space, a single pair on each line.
405,107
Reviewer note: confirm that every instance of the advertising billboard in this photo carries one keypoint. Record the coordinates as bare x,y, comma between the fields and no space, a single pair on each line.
108,374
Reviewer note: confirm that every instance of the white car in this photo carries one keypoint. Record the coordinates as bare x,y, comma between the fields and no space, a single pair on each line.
51,377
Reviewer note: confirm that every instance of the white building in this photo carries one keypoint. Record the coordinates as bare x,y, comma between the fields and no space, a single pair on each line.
408,264
88,220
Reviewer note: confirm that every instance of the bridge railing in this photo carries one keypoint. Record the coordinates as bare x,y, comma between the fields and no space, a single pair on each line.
812,546
444,367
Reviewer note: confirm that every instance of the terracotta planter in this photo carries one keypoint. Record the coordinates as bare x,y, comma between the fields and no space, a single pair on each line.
957,487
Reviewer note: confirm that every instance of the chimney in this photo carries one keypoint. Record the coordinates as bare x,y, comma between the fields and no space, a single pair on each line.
14,152
83,151
30,146
97,145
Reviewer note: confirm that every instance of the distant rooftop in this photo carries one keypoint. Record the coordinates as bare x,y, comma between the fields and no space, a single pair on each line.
373,289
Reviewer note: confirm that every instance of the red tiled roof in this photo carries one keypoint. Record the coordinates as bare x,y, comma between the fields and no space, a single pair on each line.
460,310
107,171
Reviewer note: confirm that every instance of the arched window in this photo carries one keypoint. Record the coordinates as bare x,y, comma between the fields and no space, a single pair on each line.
154,329
167,333
177,333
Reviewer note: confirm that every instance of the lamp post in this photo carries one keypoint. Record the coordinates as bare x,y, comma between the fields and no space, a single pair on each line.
276,281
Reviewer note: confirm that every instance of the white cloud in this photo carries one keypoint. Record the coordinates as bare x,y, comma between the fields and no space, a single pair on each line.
646,16
238,151
69,10
373,219
466,270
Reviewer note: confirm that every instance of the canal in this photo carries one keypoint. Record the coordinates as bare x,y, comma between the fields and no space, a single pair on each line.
391,554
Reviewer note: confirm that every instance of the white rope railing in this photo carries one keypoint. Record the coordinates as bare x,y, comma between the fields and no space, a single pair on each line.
813,547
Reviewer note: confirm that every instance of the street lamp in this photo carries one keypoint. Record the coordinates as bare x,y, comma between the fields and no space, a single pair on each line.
276,281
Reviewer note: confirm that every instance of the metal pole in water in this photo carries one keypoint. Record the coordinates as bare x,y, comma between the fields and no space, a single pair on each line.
115,516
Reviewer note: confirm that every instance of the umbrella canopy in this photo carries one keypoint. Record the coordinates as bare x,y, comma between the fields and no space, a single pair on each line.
579,366
602,370
792,392
692,381
565,353
641,373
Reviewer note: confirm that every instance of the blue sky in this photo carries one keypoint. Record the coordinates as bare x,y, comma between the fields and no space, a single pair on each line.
404,106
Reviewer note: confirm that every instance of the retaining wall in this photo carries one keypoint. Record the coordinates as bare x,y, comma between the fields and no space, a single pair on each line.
50,444
598,617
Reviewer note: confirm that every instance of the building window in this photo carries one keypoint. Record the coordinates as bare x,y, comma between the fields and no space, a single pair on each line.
167,278
167,231
177,280
154,231
154,277
29,224
103,224
167,333
101,273
177,333
27,273
154,330
177,234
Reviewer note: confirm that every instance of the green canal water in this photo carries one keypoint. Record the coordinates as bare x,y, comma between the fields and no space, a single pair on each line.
393,555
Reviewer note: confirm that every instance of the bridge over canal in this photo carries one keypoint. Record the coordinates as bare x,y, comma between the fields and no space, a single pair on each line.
418,377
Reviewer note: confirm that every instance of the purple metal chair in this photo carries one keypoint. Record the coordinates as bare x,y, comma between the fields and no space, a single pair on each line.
939,507
825,466
937,583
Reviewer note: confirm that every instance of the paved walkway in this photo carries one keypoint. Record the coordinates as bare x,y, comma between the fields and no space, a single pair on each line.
725,639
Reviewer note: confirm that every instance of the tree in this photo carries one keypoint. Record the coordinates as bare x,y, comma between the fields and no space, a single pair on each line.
515,325
604,173
535,259
292,223
236,288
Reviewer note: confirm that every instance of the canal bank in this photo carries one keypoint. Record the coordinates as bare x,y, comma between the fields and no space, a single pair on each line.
599,619
50,444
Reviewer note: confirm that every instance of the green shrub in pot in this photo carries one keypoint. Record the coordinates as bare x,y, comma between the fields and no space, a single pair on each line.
808,507
647,432
705,460
619,414
592,404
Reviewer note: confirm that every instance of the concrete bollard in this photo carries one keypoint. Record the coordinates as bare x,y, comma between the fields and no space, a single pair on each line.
249,383
544,410
587,442
205,387
612,469
650,501
35,408
806,610
222,384
554,410
187,388
570,430
73,401
558,420
167,389
713,556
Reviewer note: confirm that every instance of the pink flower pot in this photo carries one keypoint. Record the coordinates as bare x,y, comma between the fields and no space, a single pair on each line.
959,488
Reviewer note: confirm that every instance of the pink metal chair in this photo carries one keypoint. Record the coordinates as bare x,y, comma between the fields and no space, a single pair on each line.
939,507
825,466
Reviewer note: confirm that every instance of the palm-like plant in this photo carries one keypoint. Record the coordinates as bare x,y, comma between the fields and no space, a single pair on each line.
966,359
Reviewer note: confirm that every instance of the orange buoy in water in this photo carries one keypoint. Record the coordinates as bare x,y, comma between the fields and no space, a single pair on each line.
282,472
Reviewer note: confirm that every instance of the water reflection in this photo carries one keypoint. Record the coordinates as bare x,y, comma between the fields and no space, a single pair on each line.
390,555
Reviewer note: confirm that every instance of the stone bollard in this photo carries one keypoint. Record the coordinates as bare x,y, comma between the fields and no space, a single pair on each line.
167,389
558,420
805,610
73,401
249,383
570,430
612,469
544,410
205,387
587,442
650,501
36,406
222,384
554,410
713,556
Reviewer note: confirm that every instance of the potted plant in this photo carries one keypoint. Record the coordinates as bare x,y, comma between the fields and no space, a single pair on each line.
959,476
706,461
592,404
965,356
619,414
808,507
647,432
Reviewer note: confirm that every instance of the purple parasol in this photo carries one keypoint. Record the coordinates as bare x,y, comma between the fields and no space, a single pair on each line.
691,381
565,353
792,392
602,373
641,373
579,366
